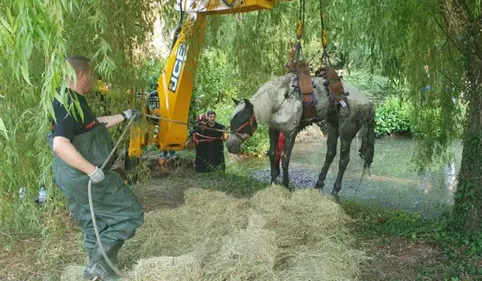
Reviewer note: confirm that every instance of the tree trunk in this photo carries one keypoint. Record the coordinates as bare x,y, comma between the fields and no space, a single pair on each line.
468,197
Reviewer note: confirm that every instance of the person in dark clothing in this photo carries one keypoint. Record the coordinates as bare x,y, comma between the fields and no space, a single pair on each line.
217,146
201,144
80,146
209,144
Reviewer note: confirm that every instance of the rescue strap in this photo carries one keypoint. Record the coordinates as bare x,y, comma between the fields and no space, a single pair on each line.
197,137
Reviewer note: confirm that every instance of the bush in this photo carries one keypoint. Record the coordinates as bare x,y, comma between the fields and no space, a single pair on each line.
392,117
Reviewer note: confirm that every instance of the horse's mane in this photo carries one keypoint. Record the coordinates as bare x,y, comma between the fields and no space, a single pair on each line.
266,96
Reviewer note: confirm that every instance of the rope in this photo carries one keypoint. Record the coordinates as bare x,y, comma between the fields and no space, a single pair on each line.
89,189
188,124
324,39
299,32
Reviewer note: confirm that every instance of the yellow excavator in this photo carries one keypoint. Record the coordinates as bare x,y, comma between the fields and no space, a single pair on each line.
175,84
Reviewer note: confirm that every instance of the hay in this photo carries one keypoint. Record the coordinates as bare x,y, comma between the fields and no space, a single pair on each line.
323,261
253,249
182,268
73,273
305,216
275,235
205,214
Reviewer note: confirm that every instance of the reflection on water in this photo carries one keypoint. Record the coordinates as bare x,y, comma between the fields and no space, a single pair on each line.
394,182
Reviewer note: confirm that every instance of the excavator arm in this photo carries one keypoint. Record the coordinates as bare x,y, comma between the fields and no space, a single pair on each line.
176,81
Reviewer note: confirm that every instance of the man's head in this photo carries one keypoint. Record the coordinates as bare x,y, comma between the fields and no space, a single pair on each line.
211,117
83,72
202,120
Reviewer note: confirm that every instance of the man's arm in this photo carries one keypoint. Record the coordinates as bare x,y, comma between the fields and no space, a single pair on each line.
112,120
67,152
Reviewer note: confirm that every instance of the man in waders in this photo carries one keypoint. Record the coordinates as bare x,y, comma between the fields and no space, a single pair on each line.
80,146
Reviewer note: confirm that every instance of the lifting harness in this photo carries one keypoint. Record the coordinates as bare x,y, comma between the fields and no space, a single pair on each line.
336,93
303,82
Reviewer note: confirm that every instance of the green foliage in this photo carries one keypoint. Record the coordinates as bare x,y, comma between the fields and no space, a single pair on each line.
392,117
34,42
374,85
400,39
393,112
258,144
215,80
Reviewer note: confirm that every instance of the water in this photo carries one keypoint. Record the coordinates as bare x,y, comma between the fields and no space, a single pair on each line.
394,182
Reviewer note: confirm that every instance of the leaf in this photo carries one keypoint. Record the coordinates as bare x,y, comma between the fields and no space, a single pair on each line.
25,72
3,129
6,24
78,110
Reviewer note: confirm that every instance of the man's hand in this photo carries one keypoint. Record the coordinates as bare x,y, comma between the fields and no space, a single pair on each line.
97,176
67,152
132,113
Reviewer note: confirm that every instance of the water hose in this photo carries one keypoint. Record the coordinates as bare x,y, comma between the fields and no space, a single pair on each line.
92,214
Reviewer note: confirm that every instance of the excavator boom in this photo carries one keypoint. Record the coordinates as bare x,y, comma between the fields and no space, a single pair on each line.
176,81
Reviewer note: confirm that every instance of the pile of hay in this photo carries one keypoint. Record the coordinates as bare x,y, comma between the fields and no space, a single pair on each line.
275,235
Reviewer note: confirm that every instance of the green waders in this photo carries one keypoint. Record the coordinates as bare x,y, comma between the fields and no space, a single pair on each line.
117,211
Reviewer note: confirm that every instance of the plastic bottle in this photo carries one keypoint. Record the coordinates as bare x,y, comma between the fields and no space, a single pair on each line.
42,195
22,192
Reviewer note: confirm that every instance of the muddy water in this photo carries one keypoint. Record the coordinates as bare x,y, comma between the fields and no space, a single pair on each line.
394,182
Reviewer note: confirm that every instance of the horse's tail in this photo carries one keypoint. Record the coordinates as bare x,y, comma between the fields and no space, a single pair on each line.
367,148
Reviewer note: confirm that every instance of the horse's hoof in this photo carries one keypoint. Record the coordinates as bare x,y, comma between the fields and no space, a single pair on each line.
290,189
336,196
320,185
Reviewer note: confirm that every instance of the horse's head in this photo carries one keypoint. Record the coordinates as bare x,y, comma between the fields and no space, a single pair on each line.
243,125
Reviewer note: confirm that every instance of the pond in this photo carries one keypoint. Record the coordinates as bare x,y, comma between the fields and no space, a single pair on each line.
394,182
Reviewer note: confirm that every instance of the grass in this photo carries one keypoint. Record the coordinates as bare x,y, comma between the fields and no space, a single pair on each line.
402,246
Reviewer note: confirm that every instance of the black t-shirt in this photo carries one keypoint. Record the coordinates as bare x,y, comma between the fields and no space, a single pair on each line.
66,125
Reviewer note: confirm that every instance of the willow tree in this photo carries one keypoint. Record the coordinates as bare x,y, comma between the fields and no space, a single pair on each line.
435,43
35,39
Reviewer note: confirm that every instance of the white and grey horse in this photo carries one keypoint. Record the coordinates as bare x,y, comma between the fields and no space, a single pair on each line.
279,105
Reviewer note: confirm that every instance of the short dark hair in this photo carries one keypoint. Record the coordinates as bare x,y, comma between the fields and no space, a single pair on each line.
79,63
211,112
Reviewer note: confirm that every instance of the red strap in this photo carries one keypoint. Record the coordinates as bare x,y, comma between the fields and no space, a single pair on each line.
90,125
197,137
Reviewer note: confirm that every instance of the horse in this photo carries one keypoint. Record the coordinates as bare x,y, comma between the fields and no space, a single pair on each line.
279,104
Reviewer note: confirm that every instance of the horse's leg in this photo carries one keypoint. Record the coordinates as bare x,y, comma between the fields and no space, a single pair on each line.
344,160
285,157
331,142
273,144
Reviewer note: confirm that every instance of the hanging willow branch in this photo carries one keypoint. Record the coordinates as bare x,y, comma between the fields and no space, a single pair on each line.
35,39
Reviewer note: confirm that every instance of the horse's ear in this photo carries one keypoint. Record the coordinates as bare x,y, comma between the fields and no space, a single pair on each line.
248,104
236,102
